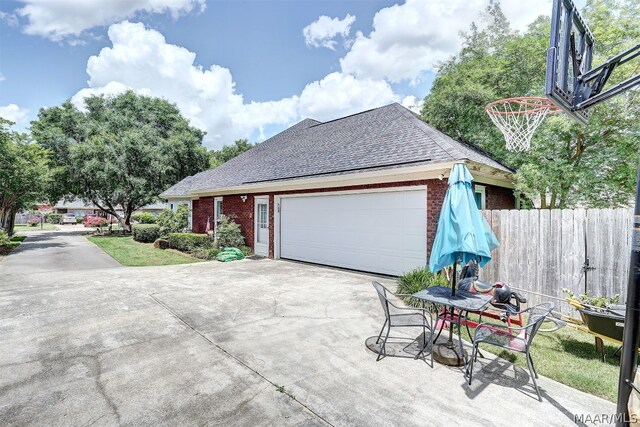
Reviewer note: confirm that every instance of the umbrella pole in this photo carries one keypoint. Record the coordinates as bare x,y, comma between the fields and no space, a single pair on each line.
448,353
453,293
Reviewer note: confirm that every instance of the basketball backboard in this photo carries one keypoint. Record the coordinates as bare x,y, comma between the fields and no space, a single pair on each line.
569,57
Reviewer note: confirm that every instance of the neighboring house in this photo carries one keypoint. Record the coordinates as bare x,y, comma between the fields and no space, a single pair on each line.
361,192
79,208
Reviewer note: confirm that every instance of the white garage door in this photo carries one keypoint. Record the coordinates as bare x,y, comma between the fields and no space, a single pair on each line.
381,232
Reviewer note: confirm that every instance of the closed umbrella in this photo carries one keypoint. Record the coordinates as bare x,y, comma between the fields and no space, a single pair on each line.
462,235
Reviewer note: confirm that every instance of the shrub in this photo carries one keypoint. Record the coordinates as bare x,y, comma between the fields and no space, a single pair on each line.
189,242
97,221
417,280
173,222
5,243
228,233
205,253
246,250
33,221
54,218
144,218
4,239
79,220
146,233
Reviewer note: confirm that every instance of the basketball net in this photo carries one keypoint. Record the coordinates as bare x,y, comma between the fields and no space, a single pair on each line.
518,118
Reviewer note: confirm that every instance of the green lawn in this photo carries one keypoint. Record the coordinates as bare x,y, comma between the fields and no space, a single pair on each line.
127,252
569,356
26,227
16,240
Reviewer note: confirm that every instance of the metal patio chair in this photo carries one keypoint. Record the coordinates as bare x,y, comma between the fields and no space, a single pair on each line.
513,338
401,317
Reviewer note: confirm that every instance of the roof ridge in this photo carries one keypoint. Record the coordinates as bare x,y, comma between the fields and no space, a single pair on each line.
357,114
420,125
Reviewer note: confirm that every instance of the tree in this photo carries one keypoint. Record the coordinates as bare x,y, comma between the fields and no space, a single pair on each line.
24,174
121,152
568,164
228,152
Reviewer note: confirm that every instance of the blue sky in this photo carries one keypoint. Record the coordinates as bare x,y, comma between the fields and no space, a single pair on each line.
235,68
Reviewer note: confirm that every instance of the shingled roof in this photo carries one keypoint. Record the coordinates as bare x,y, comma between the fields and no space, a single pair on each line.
382,138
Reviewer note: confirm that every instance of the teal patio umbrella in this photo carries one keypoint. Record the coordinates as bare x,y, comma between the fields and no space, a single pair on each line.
463,234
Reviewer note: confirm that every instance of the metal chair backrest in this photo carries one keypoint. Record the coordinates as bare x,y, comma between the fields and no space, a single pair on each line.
537,315
382,294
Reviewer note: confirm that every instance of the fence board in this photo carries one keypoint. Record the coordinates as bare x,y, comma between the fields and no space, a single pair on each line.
544,250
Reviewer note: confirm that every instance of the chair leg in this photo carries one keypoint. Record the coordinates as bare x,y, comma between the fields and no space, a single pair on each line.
380,334
532,365
533,376
383,347
473,357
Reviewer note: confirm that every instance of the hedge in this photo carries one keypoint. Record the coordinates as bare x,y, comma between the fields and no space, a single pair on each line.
145,233
54,218
188,242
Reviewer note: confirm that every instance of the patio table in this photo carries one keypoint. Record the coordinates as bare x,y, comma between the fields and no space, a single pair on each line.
463,301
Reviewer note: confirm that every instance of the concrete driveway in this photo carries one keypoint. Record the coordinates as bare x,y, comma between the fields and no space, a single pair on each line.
242,343
56,250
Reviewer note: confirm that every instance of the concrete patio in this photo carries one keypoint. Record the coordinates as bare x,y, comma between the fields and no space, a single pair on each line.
242,343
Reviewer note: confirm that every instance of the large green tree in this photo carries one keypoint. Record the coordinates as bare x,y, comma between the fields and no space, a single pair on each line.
24,174
568,164
121,152
228,152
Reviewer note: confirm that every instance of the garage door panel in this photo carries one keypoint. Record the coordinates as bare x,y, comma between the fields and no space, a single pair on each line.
382,232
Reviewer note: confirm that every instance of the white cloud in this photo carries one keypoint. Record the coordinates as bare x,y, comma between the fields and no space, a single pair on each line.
9,18
323,31
410,39
412,103
14,113
59,19
140,59
2,77
340,94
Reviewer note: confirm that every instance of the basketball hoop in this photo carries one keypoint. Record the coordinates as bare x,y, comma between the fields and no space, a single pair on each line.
518,118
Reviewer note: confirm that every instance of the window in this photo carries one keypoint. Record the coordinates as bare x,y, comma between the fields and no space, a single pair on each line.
480,196
217,209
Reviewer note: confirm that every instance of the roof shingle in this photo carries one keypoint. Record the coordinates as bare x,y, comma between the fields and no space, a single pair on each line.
385,137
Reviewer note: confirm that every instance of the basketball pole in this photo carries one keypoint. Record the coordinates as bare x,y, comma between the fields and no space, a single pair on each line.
630,337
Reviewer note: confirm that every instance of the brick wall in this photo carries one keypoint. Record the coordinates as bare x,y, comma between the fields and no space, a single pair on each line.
499,198
242,212
201,211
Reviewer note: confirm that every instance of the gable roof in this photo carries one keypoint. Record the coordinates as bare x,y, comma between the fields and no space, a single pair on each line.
381,138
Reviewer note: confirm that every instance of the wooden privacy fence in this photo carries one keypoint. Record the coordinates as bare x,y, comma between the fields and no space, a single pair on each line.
543,250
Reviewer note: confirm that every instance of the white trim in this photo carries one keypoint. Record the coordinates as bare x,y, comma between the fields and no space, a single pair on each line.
365,190
482,190
481,173
409,173
277,199
276,226
256,201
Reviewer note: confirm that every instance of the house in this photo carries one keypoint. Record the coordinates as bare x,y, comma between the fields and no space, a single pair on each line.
79,208
361,192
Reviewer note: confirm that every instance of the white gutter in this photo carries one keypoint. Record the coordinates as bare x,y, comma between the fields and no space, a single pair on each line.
482,173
